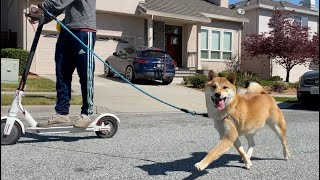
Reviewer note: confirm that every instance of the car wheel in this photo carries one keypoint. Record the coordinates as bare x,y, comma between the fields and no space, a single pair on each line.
107,71
129,75
167,81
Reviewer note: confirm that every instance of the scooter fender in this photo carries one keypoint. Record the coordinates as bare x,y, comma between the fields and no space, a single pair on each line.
9,124
102,115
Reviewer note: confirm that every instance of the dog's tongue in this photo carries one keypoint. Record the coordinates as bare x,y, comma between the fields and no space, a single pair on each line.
220,104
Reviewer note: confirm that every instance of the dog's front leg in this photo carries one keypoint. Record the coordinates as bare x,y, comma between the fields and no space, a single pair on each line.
243,154
225,143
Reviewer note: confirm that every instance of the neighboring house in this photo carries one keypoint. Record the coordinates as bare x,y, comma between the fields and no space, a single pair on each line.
259,13
198,34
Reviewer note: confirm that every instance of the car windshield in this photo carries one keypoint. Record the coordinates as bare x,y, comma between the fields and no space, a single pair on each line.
153,54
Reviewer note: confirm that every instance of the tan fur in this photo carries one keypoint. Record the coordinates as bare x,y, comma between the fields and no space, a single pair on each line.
243,114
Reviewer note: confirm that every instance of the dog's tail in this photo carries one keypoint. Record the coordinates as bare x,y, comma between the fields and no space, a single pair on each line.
255,88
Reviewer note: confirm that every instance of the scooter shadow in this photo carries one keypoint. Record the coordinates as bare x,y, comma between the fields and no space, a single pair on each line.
187,165
50,138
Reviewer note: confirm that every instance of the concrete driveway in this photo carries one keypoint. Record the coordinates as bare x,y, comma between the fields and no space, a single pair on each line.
119,97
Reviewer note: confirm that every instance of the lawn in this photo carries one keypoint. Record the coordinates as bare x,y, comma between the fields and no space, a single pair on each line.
6,99
34,84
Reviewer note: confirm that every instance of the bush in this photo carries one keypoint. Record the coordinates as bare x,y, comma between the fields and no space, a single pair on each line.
275,78
243,78
198,80
279,86
20,54
223,74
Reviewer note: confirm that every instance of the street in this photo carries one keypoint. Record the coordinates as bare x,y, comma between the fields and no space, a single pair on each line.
163,146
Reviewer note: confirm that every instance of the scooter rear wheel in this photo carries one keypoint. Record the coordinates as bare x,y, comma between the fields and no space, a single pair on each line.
107,121
14,135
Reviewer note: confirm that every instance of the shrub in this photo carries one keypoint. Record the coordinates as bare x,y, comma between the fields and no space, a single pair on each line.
20,54
223,74
186,80
243,78
198,80
275,78
279,86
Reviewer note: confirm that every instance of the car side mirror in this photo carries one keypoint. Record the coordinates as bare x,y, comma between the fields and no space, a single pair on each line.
115,54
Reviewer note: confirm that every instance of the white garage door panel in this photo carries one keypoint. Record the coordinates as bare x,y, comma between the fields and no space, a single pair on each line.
104,47
45,53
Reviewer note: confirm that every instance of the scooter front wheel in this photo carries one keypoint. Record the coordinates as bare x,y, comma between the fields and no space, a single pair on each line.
111,123
14,135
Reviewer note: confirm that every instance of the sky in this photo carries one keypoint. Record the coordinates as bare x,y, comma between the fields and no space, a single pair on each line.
292,1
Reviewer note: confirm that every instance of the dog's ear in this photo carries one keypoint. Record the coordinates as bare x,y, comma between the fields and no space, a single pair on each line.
232,78
211,75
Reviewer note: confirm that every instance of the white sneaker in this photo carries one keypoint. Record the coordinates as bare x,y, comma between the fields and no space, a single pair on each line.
56,120
83,121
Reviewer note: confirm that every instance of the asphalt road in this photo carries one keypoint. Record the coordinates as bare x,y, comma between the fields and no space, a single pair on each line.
163,146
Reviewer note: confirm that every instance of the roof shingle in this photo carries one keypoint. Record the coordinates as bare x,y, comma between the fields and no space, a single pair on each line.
192,8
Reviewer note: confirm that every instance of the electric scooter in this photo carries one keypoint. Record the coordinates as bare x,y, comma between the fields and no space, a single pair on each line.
105,125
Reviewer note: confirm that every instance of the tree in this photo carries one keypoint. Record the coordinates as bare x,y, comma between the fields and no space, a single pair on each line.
287,43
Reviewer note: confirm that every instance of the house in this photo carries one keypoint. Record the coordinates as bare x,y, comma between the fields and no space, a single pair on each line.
198,34
259,13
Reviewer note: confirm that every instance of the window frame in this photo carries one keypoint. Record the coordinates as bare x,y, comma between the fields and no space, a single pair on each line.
209,40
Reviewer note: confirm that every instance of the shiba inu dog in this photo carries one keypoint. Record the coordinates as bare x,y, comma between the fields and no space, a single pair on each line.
236,114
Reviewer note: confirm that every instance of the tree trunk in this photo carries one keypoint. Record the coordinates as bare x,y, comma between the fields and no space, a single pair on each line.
288,74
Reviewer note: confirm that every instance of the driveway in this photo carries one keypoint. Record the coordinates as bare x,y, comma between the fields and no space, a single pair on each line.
117,96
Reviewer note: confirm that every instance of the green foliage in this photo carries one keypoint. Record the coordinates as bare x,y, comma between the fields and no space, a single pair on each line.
198,80
243,78
20,54
279,86
223,74
275,78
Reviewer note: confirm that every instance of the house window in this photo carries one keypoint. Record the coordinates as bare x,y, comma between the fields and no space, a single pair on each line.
204,44
302,21
297,19
227,41
216,44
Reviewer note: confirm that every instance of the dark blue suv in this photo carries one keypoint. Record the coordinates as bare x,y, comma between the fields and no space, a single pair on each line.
142,63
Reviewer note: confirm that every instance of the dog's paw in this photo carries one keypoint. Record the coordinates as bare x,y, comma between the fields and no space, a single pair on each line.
200,166
248,165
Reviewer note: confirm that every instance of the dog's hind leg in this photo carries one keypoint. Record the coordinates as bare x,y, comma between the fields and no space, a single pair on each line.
223,146
243,154
278,125
251,144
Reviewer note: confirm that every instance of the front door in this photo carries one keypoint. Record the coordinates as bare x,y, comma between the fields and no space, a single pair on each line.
173,43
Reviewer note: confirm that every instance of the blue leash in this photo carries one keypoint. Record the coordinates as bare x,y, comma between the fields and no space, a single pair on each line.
62,25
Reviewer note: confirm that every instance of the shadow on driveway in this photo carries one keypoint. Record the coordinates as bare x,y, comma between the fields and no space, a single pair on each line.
139,82
48,138
187,165
299,106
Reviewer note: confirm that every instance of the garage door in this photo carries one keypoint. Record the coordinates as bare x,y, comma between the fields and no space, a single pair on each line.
105,46
44,60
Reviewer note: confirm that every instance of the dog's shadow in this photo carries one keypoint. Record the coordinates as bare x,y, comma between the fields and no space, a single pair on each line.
187,165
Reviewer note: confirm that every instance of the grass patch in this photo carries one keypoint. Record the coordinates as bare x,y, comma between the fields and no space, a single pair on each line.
34,84
6,99
286,99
